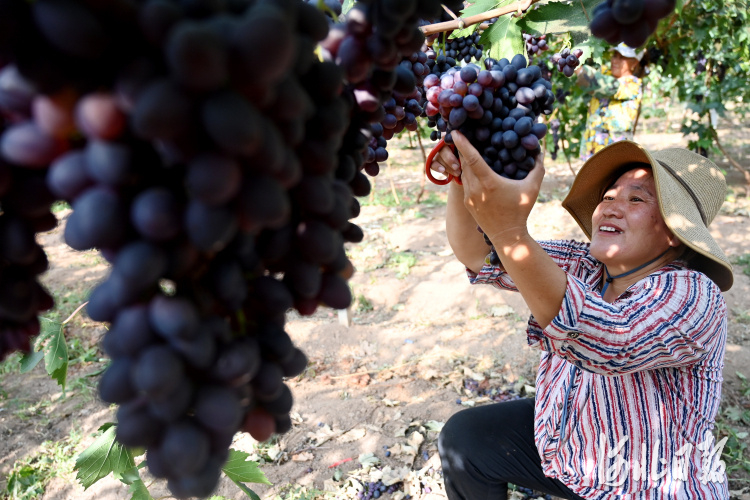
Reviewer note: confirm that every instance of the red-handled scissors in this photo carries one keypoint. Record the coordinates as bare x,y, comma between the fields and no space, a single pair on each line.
428,164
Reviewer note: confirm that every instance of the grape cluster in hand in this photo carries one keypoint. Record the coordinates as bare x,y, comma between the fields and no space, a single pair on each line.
567,61
535,44
496,109
628,21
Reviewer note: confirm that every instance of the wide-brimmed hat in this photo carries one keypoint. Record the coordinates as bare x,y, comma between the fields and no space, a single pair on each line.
626,51
690,191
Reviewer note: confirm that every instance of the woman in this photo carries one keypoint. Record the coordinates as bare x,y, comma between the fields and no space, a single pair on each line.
632,328
615,101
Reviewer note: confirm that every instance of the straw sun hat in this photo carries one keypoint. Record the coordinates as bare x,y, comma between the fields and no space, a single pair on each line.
690,191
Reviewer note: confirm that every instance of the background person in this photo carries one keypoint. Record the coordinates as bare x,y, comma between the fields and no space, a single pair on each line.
632,327
615,100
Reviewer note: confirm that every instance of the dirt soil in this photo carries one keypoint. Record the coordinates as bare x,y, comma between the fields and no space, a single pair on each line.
418,333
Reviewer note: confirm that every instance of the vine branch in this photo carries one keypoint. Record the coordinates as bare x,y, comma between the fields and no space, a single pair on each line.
460,23
731,160
584,11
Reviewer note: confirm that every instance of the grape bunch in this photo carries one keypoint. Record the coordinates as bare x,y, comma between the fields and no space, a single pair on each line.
24,211
700,63
554,126
567,60
217,179
496,108
628,21
464,48
535,44
438,63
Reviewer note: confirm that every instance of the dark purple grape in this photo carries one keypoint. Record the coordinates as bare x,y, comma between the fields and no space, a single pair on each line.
173,317
116,385
218,408
213,179
523,126
157,371
530,142
156,214
136,427
187,447
510,139
539,130
70,27
627,11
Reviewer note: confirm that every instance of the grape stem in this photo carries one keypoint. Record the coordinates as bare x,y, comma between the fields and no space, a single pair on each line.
73,314
461,23
731,160
325,8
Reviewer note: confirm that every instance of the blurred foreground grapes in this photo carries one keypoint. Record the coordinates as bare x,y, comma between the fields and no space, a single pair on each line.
216,172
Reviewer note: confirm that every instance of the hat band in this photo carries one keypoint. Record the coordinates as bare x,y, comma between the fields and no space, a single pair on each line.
688,189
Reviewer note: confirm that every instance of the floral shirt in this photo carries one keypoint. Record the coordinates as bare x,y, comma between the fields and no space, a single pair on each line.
612,110
626,400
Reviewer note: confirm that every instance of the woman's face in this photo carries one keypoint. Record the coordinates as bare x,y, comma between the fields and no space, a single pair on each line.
628,229
621,65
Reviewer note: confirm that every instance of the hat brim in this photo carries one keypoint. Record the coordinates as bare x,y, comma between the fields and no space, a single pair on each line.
680,216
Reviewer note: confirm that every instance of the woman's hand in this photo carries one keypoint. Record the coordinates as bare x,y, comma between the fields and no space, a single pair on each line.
445,162
500,206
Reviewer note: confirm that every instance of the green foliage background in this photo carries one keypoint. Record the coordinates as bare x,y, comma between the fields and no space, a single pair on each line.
716,30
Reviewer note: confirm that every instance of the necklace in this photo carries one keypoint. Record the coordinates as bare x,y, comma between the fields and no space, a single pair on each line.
609,277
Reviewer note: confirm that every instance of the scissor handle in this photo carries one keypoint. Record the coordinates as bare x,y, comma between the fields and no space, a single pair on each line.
428,165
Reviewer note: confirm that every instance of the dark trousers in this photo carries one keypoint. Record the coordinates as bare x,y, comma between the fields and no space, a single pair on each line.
485,448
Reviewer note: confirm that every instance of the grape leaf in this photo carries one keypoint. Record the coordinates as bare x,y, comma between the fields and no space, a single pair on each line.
239,469
55,351
479,7
30,360
560,17
504,37
482,6
348,4
139,491
104,456
250,493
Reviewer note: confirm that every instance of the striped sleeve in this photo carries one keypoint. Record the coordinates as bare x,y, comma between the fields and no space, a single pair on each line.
672,319
569,255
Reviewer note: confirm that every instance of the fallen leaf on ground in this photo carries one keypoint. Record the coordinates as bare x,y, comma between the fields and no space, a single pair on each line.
415,439
303,457
434,425
500,311
393,476
352,435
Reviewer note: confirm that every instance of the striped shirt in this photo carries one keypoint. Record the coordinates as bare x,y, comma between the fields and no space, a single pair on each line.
627,392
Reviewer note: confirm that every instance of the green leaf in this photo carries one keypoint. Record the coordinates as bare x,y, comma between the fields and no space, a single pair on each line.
348,4
559,17
505,38
139,491
239,469
105,456
30,360
482,6
55,351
